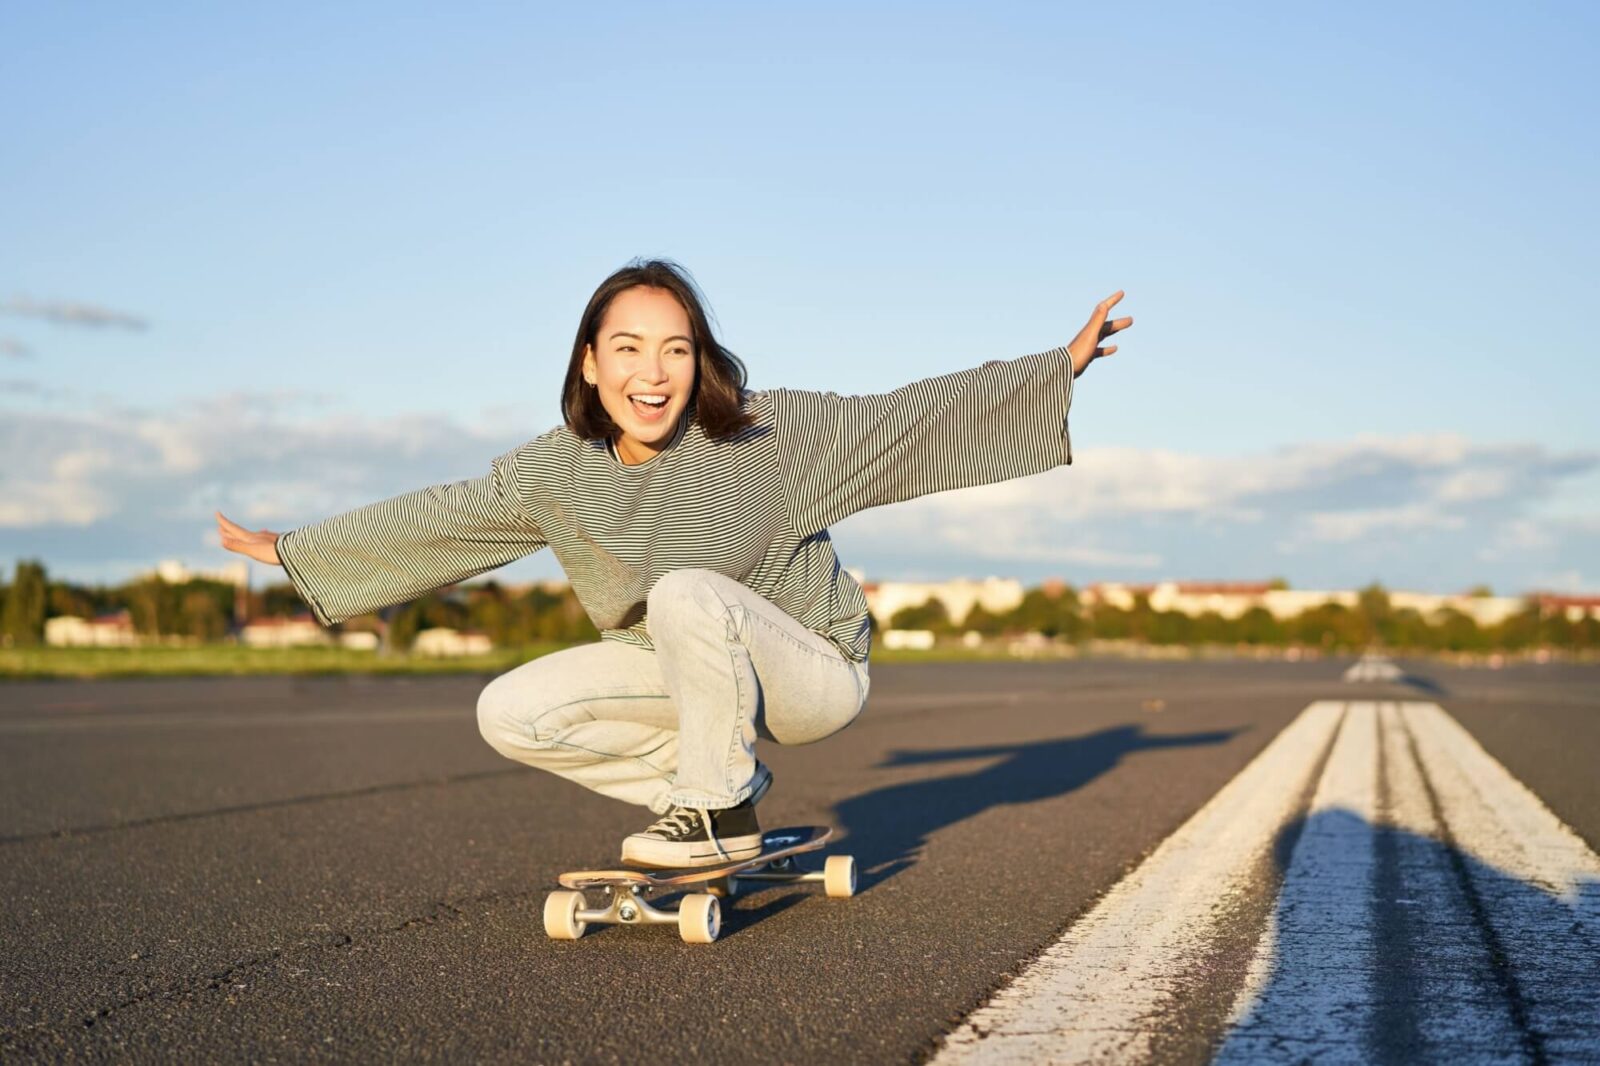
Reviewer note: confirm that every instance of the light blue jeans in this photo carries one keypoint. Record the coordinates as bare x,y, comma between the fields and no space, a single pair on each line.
677,725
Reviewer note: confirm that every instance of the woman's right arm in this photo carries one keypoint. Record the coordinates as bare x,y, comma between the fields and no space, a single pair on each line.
397,549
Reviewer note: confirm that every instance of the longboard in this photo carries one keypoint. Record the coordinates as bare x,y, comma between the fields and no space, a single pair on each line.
699,914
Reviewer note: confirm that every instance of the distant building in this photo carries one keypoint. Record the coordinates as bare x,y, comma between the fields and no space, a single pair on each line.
105,631
442,641
1484,610
1230,599
920,639
174,572
301,630
1576,608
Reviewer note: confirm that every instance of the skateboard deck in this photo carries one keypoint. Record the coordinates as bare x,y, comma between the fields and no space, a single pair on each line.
698,917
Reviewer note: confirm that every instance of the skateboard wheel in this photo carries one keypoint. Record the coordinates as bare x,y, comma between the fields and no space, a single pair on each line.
839,876
699,918
721,887
561,920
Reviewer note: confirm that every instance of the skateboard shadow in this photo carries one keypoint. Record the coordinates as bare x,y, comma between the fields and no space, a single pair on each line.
888,827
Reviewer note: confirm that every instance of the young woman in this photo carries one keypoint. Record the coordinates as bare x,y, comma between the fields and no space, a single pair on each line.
691,516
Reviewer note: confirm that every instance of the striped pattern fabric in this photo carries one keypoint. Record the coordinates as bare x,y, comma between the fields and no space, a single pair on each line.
755,506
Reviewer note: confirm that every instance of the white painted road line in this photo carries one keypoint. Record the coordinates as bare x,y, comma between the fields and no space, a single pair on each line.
1310,973
1085,997
1432,908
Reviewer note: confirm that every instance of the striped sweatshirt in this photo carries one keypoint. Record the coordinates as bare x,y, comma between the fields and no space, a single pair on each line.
755,506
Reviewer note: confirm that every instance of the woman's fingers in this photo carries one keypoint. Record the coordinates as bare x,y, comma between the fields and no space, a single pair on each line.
1084,347
230,527
260,545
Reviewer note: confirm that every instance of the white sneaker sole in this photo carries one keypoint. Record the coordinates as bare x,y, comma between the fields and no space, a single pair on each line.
649,851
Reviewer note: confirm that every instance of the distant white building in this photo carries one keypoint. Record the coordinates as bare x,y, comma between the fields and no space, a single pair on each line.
443,641
1484,610
921,639
174,572
1230,599
106,631
301,630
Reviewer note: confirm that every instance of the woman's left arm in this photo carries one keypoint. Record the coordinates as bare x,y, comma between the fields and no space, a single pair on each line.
1002,420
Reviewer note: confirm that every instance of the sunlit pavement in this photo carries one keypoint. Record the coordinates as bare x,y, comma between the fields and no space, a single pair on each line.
1276,864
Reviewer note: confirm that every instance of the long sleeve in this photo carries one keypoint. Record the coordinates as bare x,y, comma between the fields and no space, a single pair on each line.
843,454
402,547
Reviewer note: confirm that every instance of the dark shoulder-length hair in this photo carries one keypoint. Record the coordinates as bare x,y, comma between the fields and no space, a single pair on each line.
719,380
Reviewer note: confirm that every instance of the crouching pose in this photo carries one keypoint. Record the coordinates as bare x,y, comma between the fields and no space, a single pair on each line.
691,516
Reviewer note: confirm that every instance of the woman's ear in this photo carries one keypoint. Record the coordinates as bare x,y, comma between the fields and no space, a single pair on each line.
589,372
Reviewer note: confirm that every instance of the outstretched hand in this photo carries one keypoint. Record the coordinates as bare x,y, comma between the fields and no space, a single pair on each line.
1085,346
260,545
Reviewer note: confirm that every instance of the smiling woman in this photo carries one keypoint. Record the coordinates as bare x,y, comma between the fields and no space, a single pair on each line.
691,516
637,361
645,335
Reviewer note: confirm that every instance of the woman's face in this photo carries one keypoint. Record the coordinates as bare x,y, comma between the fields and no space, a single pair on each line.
644,350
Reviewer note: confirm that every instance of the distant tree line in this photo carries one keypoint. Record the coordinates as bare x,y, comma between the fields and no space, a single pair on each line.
532,616
1334,627
209,610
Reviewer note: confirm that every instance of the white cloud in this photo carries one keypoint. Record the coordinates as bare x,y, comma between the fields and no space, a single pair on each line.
1465,485
1427,505
178,446
262,458
69,503
1569,581
71,313
1340,526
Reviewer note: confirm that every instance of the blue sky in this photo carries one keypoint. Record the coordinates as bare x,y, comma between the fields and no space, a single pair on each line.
337,254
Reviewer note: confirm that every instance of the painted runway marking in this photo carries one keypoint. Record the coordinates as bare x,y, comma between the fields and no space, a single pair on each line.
1431,908
1083,999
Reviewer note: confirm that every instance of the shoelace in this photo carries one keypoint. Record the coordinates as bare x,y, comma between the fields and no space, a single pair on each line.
676,822
681,819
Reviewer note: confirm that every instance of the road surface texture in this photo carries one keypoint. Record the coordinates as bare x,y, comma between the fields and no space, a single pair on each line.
1070,861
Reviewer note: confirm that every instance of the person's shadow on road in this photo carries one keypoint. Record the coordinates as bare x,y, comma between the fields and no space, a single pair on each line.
888,827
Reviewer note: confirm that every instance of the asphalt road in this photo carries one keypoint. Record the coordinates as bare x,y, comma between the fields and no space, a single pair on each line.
341,869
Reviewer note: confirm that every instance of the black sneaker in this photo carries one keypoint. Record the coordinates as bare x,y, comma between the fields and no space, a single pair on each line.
689,836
